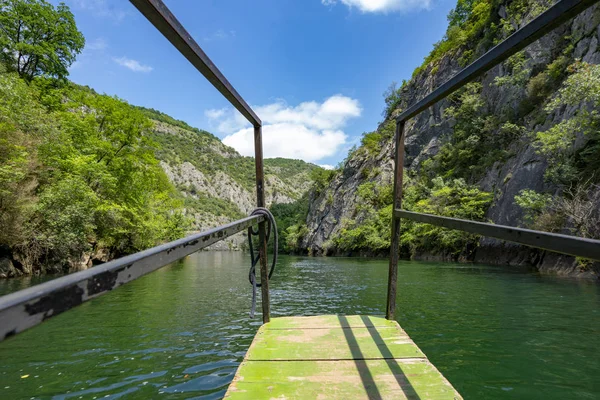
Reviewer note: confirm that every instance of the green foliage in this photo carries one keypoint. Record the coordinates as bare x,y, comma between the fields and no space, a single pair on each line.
474,26
23,124
287,169
392,96
291,224
569,162
66,220
37,38
578,205
454,198
371,142
466,25
520,11
517,74
446,198
156,115
294,235
79,175
539,87
371,234
477,140
388,130
557,70
375,196
202,203
532,203
321,178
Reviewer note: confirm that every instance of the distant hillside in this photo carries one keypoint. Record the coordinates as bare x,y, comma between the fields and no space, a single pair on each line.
86,177
217,183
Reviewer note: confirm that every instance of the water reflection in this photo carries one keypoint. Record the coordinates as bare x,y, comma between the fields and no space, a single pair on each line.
496,333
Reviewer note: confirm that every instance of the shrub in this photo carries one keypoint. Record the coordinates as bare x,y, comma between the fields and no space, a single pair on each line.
533,204
569,163
392,96
452,198
371,142
321,178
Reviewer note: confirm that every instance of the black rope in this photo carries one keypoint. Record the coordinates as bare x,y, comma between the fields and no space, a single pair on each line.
271,226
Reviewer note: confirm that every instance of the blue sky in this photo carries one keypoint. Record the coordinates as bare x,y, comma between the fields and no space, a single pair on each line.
314,70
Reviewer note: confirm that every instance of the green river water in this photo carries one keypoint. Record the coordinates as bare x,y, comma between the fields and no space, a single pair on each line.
180,333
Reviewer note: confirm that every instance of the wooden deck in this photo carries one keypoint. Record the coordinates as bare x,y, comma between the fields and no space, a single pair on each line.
336,357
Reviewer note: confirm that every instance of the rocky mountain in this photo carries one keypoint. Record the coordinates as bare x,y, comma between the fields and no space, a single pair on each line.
489,144
216,182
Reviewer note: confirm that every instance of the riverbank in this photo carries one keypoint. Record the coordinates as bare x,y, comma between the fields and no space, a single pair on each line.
507,255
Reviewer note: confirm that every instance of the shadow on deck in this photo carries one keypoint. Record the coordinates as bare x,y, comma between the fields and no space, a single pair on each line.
336,357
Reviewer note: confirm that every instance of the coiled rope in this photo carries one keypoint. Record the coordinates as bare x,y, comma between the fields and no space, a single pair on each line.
272,226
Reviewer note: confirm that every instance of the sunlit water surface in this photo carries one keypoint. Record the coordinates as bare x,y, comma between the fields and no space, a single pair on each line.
180,333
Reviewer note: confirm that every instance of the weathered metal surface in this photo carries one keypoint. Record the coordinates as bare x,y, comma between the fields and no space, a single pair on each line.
395,245
555,16
571,245
262,234
162,18
29,307
336,357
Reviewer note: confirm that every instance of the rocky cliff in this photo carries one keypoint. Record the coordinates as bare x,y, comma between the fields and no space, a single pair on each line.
512,104
217,183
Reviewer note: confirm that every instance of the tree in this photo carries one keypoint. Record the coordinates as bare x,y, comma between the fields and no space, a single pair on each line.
573,160
37,38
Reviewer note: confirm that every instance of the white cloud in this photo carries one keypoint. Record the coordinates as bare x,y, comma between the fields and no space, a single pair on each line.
382,6
96,44
309,131
327,166
220,35
215,114
101,8
133,65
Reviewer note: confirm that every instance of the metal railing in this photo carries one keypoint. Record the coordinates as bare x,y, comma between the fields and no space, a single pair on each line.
29,307
555,16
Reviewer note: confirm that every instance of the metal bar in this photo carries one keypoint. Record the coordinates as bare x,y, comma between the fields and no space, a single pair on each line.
162,18
571,245
262,236
395,246
552,18
27,308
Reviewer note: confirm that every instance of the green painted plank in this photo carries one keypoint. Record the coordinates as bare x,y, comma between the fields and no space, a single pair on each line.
368,379
332,344
329,321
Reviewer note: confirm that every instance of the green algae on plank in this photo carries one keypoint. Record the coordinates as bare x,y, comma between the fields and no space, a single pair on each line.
332,343
385,379
329,321
336,357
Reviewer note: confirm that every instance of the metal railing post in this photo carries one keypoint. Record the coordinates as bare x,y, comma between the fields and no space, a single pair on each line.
260,201
395,245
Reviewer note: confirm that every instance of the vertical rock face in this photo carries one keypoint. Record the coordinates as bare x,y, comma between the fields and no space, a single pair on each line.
523,169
